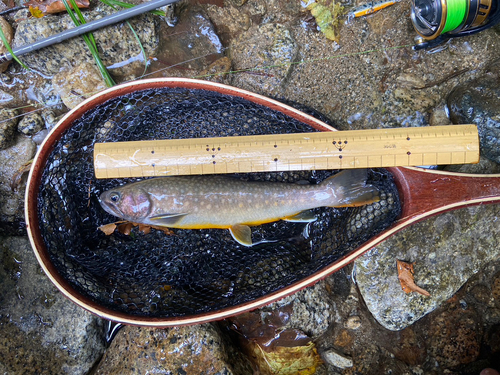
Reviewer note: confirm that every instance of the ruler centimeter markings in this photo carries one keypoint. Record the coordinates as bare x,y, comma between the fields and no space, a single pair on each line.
374,148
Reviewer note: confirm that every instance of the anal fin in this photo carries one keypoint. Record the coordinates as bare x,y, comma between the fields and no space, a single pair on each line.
242,234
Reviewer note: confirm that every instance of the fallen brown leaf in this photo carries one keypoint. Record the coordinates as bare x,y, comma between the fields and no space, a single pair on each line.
406,278
108,229
125,227
40,8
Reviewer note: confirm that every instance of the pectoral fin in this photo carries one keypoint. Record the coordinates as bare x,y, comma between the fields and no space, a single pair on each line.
166,219
302,217
242,234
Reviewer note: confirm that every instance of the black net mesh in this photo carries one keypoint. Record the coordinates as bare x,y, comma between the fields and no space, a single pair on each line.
191,271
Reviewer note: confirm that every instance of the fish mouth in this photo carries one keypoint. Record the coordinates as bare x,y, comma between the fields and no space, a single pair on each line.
108,206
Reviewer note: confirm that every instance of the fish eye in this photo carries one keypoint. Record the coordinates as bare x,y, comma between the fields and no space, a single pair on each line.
114,197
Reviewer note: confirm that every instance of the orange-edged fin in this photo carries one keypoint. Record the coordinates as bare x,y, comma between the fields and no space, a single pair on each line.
242,234
166,219
302,217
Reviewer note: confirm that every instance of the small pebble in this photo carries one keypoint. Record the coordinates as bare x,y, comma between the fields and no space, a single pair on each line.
30,124
336,359
354,322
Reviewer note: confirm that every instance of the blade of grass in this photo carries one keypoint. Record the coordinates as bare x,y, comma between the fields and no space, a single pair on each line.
90,41
110,4
128,5
142,50
7,46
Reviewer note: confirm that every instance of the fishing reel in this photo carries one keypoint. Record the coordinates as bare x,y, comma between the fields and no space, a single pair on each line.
436,21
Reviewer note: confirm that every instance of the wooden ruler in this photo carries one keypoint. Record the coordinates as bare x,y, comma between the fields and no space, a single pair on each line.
433,145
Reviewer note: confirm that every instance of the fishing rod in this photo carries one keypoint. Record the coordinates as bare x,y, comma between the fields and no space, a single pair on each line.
87,27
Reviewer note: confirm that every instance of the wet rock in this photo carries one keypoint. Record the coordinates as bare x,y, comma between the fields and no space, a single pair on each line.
188,48
40,136
265,55
12,161
478,102
181,350
409,347
439,117
312,310
455,336
231,20
170,17
118,47
8,123
5,97
371,359
31,123
50,118
485,166
270,346
238,3
218,71
337,359
447,249
77,84
9,35
42,331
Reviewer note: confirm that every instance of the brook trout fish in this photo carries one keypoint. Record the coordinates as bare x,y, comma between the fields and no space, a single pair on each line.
201,202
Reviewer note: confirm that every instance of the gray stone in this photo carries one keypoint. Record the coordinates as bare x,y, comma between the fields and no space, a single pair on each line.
265,56
8,123
478,102
197,349
12,160
447,249
312,310
31,123
118,47
42,331
337,359
50,118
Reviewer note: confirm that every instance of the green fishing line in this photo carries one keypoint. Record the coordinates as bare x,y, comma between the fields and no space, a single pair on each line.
456,11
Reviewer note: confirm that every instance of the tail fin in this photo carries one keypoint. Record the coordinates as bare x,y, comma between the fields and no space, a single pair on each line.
350,189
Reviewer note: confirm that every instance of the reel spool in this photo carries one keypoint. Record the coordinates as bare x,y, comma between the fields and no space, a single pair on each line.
435,21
